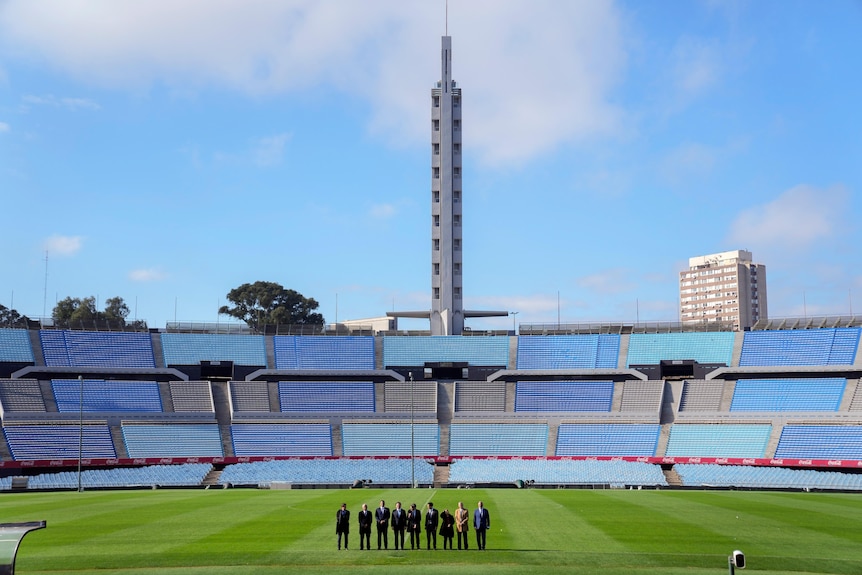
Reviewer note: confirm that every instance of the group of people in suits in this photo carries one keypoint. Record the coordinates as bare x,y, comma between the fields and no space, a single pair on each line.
410,521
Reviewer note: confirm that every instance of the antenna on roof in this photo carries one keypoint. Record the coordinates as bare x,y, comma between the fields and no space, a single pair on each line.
446,27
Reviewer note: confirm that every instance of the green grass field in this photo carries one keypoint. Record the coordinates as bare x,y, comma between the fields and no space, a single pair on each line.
245,531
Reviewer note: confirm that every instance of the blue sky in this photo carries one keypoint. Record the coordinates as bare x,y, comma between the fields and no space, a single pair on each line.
167,152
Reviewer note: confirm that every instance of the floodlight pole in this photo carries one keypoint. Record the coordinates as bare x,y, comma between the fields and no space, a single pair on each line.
80,429
412,435
730,569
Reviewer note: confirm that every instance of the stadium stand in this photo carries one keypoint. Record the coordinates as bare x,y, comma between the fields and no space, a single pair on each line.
21,395
65,348
701,395
191,396
106,396
713,475
556,472
777,395
589,351
193,348
327,472
820,442
417,350
641,396
718,440
607,439
830,346
564,396
181,475
310,352
250,396
172,439
419,397
15,346
56,441
704,347
326,396
390,438
480,396
498,439
281,439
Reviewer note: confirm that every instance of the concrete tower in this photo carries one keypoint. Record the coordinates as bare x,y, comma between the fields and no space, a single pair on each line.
447,307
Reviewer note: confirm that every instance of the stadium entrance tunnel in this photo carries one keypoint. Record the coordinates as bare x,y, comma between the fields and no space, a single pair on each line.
11,535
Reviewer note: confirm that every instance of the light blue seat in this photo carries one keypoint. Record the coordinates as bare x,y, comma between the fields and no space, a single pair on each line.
317,352
52,441
596,351
101,396
788,394
172,440
828,346
417,350
498,439
820,442
66,348
326,396
703,347
193,348
564,396
390,439
718,440
15,346
614,439
281,439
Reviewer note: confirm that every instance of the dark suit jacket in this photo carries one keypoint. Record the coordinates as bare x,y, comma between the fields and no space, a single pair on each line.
414,520
481,519
365,521
399,519
342,521
381,514
432,519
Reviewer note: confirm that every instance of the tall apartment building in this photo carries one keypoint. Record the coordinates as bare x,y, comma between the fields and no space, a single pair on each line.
727,287
447,307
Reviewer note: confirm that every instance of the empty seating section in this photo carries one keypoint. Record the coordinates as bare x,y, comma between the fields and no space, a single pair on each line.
193,348
100,396
64,348
607,439
52,441
418,397
327,472
185,474
390,439
701,395
713,475
798,394
498,438
172,440
417,350
564,395
556,472
642,396
249,396
316,352
820,442
704,347
15,346
281,439
718,440
480,396
191,396
832,346
597,351
21,395
326,396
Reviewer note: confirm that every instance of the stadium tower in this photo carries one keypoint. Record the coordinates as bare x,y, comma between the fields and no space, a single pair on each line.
447,311
447,307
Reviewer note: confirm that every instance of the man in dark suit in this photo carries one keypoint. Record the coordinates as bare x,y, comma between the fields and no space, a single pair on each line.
399,524
342,524
381,515
365,521
481,522
432,518
414,526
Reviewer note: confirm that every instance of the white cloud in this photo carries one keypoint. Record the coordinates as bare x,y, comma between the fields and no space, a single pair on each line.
686,162
63,245
383,211
617,280
270,151
72,104
147,275
798,218
535,73
696,66
4,127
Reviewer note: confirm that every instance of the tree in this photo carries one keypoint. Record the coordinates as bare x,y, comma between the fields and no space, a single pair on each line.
82,311
269,303
11,318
